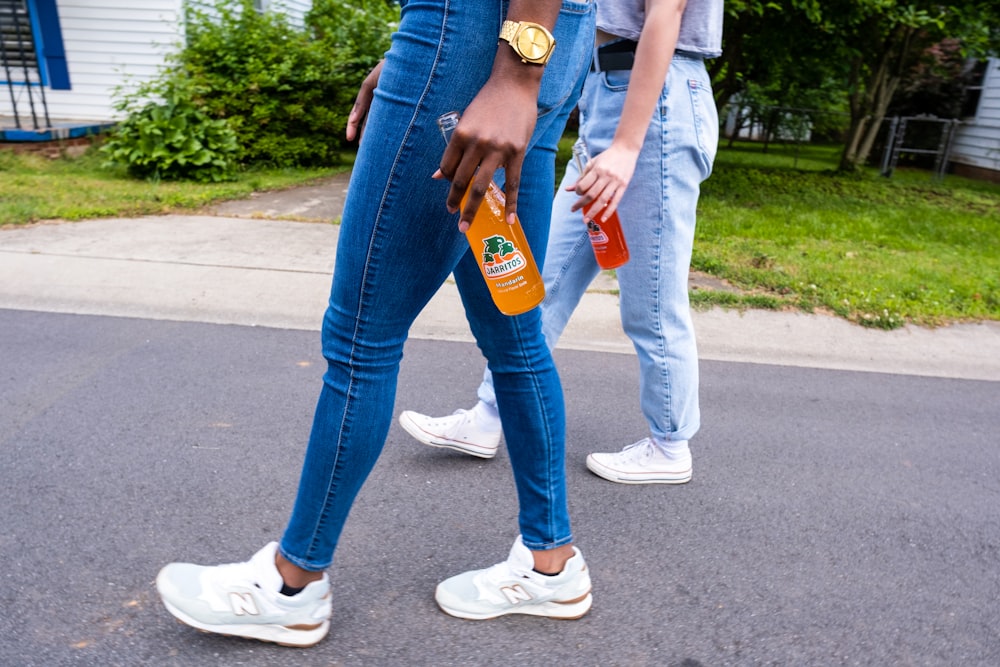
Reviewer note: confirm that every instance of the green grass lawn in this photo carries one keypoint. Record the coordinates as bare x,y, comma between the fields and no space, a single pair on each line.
783,227
36,188
878,251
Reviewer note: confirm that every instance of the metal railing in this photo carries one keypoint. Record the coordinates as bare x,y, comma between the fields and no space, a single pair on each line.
897,142
19,63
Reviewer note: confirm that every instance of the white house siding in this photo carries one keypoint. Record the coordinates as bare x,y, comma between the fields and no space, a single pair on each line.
977,142
107,42
295,9
113,42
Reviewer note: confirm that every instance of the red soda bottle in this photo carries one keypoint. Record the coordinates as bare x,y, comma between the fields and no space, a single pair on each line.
606,237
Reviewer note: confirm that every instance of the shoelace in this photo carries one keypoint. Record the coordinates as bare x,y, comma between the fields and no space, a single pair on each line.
639,452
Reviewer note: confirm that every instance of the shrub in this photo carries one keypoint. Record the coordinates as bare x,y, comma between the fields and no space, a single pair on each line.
171,138
286,92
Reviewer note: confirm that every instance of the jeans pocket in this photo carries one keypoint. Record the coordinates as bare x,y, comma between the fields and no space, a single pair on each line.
706,122
616,80
574,35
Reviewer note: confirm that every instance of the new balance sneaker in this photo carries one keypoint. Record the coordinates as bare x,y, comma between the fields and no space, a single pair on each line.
461,431
243,600
513,587
641,463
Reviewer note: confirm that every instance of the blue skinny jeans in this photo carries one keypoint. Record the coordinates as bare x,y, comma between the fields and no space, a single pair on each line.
398,244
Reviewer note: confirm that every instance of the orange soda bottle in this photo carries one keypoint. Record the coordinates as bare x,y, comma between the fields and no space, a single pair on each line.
502,249
606,237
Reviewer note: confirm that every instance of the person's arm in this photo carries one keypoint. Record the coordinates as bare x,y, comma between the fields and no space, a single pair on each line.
608,174
495,128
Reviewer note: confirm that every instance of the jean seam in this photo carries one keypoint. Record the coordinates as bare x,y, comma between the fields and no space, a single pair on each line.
556,286
337,467
658,284
549,491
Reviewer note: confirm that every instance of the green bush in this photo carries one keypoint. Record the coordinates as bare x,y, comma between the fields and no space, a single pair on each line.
286,92
171,138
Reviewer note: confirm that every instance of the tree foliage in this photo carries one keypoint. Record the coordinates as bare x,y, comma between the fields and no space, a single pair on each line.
863,47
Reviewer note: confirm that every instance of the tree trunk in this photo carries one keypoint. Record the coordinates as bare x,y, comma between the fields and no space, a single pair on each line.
856,104
731,63
868,108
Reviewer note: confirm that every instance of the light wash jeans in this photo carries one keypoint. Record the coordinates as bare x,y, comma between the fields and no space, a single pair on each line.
658,213
397,246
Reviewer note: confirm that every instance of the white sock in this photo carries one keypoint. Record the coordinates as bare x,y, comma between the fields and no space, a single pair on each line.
487,415
674,450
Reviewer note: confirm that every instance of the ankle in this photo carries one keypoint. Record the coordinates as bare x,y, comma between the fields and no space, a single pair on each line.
552,561
487,415
674,450
294,576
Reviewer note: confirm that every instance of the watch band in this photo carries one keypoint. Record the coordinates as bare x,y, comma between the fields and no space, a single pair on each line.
508,29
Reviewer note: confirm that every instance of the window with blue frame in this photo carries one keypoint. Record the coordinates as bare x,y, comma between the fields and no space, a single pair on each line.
31,45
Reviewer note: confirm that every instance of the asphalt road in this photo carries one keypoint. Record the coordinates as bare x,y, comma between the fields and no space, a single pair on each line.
835,517
157,382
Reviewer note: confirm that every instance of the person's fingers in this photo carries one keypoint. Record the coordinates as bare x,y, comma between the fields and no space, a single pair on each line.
612,206
461,169
474,195
358,117
512,186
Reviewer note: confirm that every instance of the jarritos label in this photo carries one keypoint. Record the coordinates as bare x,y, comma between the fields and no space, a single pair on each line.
597,235
501,257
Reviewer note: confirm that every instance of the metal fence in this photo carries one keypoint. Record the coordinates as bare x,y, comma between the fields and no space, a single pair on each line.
924,141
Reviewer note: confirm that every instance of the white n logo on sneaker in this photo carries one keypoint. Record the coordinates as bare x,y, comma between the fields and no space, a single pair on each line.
244,604
515,594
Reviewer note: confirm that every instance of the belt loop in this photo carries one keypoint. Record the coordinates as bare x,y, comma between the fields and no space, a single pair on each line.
595,63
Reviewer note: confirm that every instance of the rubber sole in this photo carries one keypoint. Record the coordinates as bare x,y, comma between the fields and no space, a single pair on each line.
273,634
613,475
435,441
564,611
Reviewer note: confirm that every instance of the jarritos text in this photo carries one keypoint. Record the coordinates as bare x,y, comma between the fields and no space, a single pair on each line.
501,257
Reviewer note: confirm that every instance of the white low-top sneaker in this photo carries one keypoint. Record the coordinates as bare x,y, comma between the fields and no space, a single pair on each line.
243,600
513,587
460,431
641,463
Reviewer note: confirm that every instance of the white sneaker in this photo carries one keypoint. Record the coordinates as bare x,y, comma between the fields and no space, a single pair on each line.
641,463
243,600
460,431
513,587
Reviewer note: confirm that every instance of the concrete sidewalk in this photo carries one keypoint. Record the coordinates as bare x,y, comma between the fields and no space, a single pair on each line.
267,260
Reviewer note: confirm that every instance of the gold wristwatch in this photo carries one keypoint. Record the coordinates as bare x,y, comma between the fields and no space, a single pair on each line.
531,42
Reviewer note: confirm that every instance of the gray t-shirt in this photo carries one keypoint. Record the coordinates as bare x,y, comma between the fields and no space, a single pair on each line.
701,25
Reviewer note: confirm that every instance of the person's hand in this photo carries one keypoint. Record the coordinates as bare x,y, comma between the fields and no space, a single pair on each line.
359,112
493,132
603,181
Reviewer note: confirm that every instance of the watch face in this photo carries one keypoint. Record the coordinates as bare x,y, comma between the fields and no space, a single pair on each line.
533,44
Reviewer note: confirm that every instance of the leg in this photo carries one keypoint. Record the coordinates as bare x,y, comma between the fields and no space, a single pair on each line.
529,376
656,315
394,218
477,431
658,213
